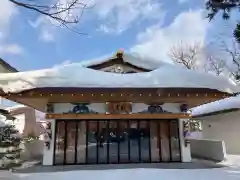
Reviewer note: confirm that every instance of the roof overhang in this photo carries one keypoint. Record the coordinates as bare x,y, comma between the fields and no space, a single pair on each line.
222,112
39,97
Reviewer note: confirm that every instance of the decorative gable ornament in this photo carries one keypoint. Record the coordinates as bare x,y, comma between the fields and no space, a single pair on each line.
80,109
119,53
118,69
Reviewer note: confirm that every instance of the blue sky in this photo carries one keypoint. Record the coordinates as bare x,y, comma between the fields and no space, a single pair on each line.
150,27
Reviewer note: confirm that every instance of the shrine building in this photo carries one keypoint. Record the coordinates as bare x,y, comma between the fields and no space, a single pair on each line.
123,108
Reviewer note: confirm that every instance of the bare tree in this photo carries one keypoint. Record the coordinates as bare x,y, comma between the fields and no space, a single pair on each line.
186,54
215,65
233,56
215,61
62,12
195,56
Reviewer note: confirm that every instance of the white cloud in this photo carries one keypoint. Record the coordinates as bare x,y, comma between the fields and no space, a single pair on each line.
11,49
63,63
156,41
182,1
46,36
7,11
113,16
47,26
117,16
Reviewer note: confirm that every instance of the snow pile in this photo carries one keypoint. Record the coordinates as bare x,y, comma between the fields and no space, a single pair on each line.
75,75
223,104
232,160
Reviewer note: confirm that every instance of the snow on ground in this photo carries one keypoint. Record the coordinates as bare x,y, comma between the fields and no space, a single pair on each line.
139,174
232,160
231,172
76,75
223,104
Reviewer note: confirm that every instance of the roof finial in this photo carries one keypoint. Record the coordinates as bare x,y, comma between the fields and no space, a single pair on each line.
119,53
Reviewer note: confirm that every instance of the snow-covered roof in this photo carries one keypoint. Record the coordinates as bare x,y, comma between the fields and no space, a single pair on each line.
134,59
15,107
76,75
217,106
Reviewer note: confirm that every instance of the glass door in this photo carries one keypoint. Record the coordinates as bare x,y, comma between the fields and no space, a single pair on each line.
92,136
116,141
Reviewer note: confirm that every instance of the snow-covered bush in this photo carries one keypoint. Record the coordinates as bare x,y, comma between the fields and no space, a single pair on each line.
10,140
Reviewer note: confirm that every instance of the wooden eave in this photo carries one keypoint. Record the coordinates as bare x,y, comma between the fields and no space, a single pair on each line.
40,96
116,60
119,116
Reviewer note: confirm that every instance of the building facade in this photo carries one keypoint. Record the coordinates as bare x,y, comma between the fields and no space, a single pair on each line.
27,120
116,139
123,109
220,121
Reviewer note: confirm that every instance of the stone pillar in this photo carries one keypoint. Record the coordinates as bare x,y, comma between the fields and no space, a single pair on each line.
48,153
185,150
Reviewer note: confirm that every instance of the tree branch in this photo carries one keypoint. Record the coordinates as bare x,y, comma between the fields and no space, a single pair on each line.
61,13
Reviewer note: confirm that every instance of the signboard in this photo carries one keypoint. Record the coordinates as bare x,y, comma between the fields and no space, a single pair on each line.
119,108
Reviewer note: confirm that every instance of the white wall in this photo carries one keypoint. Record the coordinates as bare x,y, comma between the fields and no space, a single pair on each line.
48,153
225,127
185,150
208,149
19,122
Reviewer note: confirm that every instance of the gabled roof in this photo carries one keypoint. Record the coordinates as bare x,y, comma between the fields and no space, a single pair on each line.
217,107
7,66
143,63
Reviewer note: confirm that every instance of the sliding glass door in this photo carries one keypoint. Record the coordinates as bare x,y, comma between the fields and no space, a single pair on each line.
116,141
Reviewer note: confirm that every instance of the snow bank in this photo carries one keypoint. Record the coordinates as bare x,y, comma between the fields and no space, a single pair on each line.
232,160
223,104
76,75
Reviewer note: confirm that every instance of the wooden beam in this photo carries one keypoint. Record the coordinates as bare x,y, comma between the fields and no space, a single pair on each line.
119,116
120,97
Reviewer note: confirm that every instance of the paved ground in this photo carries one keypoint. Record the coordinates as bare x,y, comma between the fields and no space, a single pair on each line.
197,170
196,164
225,173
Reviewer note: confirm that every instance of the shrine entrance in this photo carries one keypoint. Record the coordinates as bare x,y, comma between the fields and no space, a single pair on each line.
116,141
